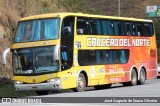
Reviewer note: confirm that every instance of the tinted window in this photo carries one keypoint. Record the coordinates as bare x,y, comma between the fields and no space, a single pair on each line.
127,27
68,26
95,26
118,28
102,57
148,29
107,27
35,30
139,28
91,26
82,26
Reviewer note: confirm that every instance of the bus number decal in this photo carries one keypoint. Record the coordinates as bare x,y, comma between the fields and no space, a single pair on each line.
78,44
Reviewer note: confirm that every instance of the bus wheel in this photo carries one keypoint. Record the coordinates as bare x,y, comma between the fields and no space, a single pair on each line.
99,87
142,77
133,81
42,92
81,84
134,78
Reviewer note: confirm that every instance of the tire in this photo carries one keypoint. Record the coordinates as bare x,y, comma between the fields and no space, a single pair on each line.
81,84
133,81
134,78
42,92
99,87
142,77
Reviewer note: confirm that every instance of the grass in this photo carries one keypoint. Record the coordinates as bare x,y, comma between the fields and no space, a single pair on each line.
7,89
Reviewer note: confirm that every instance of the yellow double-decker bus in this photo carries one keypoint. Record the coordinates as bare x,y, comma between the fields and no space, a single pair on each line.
74,50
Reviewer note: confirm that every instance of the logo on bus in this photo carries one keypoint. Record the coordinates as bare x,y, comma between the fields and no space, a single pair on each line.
110,42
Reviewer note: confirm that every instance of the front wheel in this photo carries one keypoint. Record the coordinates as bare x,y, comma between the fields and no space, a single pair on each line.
81,84
42,92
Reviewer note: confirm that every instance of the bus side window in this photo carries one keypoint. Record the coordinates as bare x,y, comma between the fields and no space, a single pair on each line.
110,57
127,27
95,26
104,27
115,55
68,26
118,28
123,56
148,29
133,29
110,28
151,29
139,28
82,26
92,57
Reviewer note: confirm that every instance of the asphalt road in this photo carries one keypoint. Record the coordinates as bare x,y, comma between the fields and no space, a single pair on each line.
150,89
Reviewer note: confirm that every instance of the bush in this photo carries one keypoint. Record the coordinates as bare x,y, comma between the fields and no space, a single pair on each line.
6,81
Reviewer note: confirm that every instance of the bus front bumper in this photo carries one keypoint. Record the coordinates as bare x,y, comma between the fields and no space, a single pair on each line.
39,86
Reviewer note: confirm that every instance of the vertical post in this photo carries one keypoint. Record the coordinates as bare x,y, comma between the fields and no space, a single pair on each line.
119,8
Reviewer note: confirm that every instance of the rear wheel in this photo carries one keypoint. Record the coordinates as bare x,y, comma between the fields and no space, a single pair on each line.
142,77
134,79
99,87
42,92
81,84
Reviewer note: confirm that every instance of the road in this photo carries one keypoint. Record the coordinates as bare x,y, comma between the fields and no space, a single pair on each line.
150,89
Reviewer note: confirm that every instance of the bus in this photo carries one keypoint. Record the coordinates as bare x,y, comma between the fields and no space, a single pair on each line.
75,50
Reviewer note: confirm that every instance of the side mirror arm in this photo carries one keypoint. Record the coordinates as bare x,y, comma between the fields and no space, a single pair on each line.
56,52
4,54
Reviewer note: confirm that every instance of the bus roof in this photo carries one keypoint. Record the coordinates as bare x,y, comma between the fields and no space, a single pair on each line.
63,14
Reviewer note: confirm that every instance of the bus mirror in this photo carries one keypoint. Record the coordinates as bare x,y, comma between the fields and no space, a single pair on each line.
56,49
4,54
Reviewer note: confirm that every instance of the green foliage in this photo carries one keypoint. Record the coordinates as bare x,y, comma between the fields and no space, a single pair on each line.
7,89
157,28
94,11
5,81
72,5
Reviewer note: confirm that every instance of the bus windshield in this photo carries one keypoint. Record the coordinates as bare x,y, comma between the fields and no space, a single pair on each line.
35,30
35,60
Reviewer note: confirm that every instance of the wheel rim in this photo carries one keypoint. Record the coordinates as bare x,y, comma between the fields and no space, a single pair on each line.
80,82
134,77
143,75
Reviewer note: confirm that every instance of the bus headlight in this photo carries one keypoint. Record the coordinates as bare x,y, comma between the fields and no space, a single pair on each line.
53,80
18,82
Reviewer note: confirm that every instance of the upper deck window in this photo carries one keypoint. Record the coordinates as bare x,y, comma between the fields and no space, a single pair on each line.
35,30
